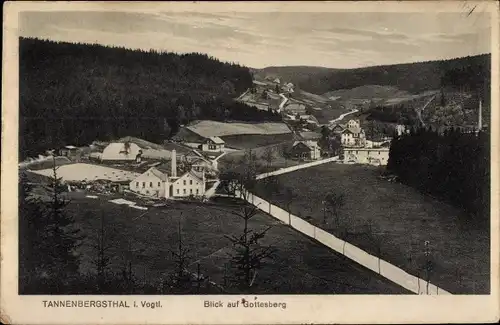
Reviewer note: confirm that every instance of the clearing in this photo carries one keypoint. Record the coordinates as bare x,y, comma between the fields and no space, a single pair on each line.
89,172
299,266
249,141
394,217
208,129
278,161
367,92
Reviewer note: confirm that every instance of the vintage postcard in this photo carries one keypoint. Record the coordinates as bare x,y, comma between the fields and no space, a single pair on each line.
250,162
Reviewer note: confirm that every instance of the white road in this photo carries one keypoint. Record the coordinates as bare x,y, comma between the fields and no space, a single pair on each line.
354,253
341,117
283,102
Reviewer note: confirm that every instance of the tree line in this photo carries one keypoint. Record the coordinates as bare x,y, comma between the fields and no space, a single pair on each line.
77,93
451,165
466,74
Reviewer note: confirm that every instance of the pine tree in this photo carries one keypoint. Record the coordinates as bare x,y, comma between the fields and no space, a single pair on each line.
180,280
63,262
48,240
249,254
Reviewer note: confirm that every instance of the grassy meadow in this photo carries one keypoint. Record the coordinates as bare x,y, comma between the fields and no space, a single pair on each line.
395,218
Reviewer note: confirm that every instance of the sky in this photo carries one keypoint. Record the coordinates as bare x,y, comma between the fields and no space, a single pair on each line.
260,39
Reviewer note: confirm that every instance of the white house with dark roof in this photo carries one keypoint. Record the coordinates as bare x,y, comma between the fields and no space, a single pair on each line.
191,183
153,182
353,124
213,144
353,137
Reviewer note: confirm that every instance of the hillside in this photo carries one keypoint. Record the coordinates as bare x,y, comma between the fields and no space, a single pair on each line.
469,73
367,92
294,74
79,93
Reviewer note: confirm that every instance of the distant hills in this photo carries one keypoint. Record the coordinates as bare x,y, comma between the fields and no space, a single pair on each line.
294,74
471,73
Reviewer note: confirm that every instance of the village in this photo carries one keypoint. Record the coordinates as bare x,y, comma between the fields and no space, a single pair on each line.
187,166
180,173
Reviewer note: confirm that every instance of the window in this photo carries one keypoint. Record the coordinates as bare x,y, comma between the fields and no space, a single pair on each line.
147,192
150,184
190,191
184,191
143,184
136,184
177,191
184,182
197,191
190,182
159,184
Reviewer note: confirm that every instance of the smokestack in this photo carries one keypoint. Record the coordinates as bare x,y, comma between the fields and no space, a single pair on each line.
174,164
480,117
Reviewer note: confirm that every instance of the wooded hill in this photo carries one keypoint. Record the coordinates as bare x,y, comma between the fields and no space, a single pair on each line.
294,74
467,73
77,93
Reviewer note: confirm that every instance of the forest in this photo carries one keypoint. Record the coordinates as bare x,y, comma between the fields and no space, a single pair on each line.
465,74
453,166
78,93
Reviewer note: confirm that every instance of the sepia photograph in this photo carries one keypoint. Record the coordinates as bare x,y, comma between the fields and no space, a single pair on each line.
256,152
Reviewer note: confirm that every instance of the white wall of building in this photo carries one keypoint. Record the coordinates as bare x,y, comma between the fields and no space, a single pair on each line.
375,156
151,185
188,185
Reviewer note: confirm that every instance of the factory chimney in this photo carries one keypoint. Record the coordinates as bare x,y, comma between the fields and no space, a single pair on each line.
174,164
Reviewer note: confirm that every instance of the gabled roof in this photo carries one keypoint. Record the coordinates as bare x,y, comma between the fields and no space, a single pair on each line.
353,130
310,144
216,140
161,175
196,174
191,173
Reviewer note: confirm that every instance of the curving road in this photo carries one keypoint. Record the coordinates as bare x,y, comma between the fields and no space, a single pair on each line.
343,115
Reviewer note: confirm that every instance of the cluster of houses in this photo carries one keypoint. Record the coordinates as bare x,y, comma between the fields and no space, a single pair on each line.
357,148
161,182
284,86
168,174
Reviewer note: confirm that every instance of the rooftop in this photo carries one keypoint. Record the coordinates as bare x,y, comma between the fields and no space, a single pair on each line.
216,140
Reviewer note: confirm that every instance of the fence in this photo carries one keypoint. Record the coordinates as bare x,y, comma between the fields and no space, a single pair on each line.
385,269
297,167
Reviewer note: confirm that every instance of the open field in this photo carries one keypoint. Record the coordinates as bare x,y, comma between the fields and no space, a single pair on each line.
207,128
330,112
278,161
246,141
90,172
299,265
367,92
401,221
